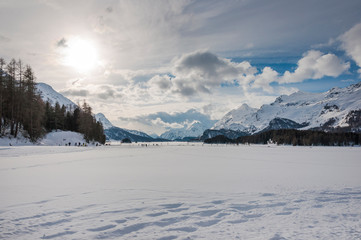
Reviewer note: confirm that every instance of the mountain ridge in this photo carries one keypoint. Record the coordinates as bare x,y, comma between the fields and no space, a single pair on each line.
48,94
303,110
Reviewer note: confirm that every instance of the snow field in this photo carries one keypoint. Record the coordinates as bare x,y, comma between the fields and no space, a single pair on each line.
180,192
54,138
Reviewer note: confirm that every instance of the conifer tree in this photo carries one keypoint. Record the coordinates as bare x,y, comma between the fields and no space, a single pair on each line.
34,109
2,91
11,68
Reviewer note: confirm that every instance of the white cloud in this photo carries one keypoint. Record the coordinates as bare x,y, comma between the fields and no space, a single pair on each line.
200,72
351,43
100,92
315,65
182,84
264,79
158,122
163,82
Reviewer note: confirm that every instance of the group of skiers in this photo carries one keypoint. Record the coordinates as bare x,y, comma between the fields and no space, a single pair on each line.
80,144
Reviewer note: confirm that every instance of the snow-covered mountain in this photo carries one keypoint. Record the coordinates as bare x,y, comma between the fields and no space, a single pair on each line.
235,119
138,133
231,134
338,107
101,118
118,134
47,93
194,129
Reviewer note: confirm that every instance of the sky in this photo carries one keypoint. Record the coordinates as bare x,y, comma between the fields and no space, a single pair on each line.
156,65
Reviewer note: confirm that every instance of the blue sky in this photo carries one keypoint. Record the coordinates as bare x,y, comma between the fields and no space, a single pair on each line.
119,55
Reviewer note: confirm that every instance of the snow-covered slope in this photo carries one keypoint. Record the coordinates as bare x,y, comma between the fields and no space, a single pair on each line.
195,129
307,110
54,138
62,138
47,93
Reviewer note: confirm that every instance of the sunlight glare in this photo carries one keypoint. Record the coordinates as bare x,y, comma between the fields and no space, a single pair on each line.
81,55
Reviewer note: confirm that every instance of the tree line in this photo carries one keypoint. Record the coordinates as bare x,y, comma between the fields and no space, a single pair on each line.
23,110
295,137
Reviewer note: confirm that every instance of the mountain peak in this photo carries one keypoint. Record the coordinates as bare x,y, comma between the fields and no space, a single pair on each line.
244,106
48,94
101,118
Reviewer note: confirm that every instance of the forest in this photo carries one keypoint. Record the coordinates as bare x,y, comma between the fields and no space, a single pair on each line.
294,137
23,111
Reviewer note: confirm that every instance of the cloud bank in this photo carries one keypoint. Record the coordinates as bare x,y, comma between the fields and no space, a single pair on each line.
351,43
315,65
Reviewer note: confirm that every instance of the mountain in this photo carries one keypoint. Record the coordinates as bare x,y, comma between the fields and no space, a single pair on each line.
138,133
47,93
230,134
235,119
153,135
118,134
334,109
101,118
192,130
283,123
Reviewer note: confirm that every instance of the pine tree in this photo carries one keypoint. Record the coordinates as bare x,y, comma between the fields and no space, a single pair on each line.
2,91
57,113
34,109
19,96
49,120
11,85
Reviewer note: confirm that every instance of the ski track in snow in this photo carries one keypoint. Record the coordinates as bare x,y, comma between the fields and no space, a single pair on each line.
114,211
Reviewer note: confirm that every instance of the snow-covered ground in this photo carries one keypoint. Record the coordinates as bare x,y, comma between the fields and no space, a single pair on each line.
54,138
175,191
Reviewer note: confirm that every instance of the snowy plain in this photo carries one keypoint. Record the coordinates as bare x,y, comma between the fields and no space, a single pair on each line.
180,191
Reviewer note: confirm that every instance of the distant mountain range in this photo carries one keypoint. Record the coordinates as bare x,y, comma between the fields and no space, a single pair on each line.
118,134
193,130
337,109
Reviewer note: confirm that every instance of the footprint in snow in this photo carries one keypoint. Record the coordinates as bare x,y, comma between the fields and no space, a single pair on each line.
102,228
172,205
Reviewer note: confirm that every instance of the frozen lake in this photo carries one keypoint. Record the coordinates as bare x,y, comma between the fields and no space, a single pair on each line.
180,192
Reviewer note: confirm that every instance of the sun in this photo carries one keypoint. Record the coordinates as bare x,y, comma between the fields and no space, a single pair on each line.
80,54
